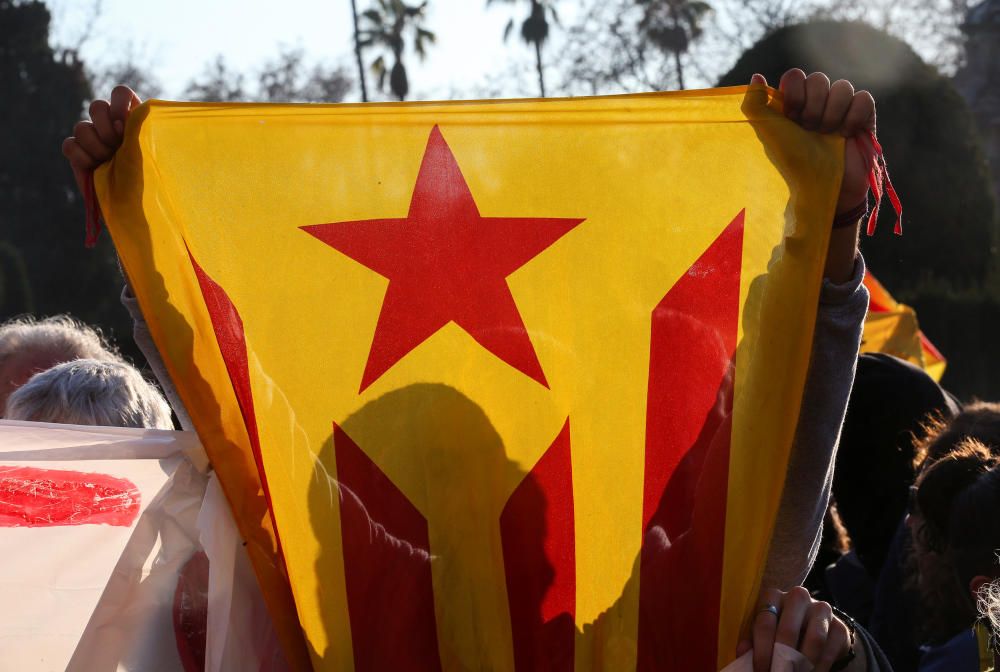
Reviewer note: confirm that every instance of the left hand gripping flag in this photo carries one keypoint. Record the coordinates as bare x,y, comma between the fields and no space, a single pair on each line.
501,385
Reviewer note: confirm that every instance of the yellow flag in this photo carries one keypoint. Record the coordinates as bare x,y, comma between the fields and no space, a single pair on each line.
490,385
891,327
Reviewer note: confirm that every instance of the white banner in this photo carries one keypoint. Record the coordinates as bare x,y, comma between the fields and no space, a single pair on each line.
103,533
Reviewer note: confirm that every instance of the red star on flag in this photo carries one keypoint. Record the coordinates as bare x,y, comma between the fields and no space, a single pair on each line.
445,263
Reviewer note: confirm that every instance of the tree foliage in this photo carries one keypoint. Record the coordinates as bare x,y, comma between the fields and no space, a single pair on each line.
287,78
534,30
389,25
131,72
43,95
632,45
606,53
218,83
671,26
930,143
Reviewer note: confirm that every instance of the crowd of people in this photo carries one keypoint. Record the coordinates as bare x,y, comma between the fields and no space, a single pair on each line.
884,555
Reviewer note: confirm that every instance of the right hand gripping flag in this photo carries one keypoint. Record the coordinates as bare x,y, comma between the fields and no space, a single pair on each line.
493,385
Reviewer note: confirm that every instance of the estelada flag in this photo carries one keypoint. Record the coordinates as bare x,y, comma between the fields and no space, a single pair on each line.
489,385
891,327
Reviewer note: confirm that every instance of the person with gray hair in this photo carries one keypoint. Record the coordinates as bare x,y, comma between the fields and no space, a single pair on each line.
90,392
29,345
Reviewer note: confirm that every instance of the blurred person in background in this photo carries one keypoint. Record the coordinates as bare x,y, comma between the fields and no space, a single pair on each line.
90,392
886,419
956,534
29,345
890,401
898,621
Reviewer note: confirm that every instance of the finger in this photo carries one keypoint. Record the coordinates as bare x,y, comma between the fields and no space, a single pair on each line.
78,158
79,161
758,79
793,86
864,146
793,615
100,116
837,104
87,138
817,92
743,647
860,115
816,631
123,101
765,624
838,643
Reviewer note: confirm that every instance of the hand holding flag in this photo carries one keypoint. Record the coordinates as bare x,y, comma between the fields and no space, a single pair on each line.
612,342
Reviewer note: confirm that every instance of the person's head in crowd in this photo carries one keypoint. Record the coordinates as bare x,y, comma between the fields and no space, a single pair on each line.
989,610
890,400
956,534
28,345
979,420
90,392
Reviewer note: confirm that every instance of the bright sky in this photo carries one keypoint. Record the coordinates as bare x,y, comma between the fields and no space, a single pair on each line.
177,39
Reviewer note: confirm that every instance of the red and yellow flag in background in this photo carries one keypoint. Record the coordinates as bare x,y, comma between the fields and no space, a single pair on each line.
891,327
489,385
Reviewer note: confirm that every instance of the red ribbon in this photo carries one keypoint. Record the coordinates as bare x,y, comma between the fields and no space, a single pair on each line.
880,183
93,209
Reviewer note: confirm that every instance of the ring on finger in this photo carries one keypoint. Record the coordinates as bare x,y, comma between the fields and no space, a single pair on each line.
770,609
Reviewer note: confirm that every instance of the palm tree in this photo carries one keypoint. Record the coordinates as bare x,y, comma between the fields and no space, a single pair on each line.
534,30
672,25
386,25
357,52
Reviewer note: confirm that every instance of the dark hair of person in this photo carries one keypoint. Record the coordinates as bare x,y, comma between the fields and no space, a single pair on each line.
958,533
978,420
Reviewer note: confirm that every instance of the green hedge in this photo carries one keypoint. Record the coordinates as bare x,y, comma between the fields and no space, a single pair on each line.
929,139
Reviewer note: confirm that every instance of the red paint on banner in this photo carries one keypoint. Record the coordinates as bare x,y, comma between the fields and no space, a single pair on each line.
446,263
688,428
32,497
390,595
537,531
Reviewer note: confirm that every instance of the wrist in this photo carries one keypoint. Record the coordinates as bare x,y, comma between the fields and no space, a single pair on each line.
852,627
850,196
850,216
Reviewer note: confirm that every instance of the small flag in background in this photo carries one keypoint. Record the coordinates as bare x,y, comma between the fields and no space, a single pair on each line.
891,327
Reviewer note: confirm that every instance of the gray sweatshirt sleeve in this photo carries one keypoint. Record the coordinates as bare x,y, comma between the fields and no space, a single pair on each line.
143,339
837,339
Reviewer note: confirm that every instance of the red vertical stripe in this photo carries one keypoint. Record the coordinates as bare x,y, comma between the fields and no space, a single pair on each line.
537,531
390,594
228,327
688,426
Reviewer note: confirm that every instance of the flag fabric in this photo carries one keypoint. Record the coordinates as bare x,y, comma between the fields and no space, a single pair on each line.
892,328
489,385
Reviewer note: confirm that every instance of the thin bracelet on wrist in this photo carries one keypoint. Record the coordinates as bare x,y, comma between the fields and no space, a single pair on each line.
852,628
852,216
